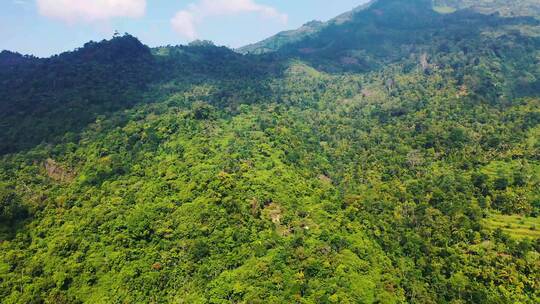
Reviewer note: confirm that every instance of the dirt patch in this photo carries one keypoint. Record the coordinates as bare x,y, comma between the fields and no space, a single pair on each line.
274,213
325,179
57,172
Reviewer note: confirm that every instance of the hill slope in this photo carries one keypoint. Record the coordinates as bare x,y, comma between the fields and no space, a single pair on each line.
194,174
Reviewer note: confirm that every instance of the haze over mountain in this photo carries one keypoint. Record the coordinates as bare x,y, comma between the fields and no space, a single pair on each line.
389,155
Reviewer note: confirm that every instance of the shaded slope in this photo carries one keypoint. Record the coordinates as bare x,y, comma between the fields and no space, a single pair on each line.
52,99
44,98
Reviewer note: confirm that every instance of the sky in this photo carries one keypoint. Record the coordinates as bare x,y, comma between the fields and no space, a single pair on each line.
47,27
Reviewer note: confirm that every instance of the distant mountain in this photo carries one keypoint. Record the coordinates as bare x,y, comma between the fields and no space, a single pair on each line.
385,31
504,7
275,42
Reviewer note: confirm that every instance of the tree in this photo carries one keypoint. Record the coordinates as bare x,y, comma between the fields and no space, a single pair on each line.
10,205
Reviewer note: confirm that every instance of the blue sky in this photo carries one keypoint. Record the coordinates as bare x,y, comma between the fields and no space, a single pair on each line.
47,27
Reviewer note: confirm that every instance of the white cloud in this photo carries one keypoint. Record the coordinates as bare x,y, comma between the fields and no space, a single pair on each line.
184,24
91,10
185,21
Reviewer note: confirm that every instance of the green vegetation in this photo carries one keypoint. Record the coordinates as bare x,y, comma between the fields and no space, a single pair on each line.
193,174
515,225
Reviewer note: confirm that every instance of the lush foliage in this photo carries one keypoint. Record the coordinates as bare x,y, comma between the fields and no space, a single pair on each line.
277,178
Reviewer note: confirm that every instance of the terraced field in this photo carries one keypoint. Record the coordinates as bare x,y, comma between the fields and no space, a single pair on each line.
516,226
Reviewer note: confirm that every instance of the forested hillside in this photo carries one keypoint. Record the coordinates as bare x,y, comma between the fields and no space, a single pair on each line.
393,157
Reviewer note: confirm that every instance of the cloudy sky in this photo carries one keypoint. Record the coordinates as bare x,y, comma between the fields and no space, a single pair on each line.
47,27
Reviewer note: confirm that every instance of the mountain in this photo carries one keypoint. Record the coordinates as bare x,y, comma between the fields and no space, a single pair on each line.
384,32
388,156
312,29
273,43
45,99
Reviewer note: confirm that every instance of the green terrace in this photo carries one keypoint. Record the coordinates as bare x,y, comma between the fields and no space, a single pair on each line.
515,225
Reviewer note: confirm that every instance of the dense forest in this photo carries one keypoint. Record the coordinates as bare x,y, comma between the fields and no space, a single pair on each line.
390,155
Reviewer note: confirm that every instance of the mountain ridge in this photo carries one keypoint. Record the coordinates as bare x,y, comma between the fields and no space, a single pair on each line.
274,43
